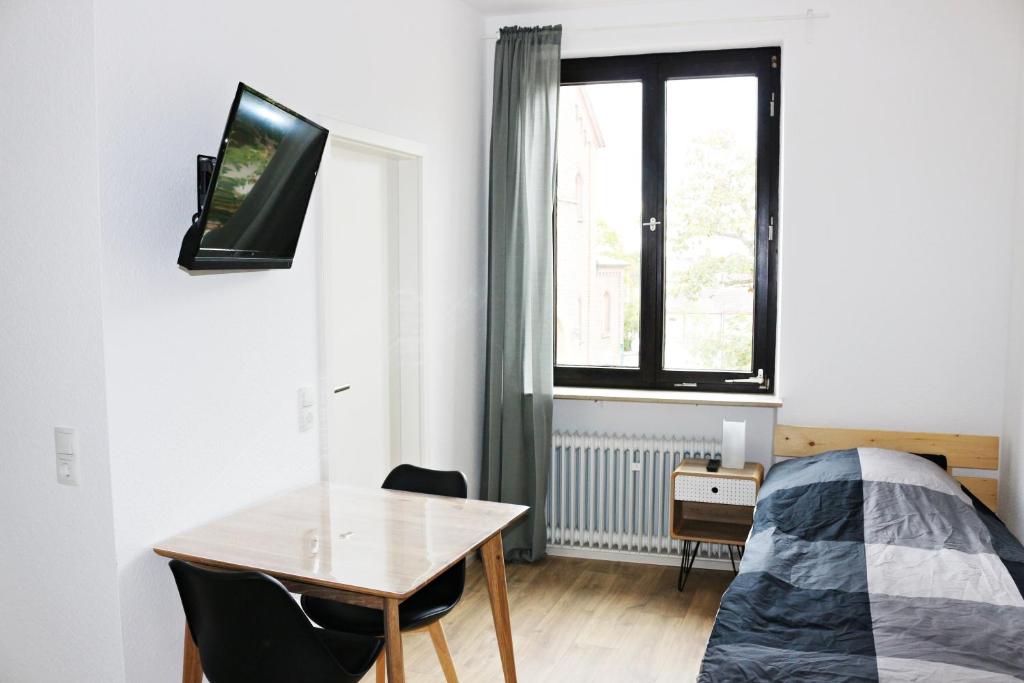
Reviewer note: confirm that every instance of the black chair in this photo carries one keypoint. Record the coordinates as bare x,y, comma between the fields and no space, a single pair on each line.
423,611
248,629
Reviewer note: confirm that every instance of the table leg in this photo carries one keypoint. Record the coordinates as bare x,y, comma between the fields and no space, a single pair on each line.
393,643
494,568
191,667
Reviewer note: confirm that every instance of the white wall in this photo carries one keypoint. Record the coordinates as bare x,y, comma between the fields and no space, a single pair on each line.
1011,476
59,601
897,197
203,370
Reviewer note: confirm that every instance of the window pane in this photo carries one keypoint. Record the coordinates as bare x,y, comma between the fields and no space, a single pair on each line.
710,223
598,225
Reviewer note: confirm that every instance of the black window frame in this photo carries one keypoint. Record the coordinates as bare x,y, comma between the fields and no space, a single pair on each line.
654,70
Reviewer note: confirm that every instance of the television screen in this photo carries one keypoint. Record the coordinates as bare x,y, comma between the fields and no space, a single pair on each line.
253,211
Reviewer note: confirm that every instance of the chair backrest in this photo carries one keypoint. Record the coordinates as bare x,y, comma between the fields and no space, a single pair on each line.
249,629
449,585
422,480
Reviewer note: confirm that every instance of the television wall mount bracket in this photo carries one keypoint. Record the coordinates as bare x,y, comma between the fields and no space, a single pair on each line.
205,166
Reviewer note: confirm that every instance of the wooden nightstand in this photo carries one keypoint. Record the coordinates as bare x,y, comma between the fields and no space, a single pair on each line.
712,507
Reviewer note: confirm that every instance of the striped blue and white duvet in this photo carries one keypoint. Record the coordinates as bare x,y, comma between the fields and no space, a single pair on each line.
871,565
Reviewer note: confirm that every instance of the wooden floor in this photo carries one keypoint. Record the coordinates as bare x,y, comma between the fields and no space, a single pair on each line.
580,620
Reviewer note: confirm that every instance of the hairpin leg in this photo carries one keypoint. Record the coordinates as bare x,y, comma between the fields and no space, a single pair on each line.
687,562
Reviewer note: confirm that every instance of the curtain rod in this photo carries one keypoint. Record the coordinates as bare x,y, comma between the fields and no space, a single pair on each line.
809,15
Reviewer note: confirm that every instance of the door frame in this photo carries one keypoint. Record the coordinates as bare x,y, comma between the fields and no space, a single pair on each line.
406,300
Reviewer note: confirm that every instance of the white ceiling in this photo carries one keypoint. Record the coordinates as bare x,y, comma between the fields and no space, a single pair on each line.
499,7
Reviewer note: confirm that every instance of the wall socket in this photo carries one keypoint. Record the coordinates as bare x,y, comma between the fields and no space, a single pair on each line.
306,409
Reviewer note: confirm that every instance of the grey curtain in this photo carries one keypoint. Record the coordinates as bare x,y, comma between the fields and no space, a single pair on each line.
517,427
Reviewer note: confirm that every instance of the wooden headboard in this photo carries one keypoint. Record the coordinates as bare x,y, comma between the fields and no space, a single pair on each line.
961,450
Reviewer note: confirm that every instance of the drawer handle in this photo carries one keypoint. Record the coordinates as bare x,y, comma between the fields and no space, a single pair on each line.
714,489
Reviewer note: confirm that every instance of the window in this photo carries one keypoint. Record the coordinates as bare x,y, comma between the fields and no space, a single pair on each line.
665,223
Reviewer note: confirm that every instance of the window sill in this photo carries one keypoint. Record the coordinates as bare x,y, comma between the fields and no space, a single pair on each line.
677,397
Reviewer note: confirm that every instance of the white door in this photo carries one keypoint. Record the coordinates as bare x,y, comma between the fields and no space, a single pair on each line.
371,423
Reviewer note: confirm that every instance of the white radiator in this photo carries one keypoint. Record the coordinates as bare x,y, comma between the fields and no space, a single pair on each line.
610,493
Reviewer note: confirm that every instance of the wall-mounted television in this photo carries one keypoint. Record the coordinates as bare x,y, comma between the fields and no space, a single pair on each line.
253,197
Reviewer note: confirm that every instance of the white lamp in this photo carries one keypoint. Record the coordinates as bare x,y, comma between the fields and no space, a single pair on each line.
734,444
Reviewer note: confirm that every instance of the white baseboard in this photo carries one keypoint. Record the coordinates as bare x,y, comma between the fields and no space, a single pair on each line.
636,558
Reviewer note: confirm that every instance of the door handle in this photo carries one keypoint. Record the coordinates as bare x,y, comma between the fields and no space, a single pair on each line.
343,387
652,223
756,379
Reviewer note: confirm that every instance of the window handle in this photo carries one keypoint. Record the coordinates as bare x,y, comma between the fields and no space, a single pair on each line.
756,379
652,224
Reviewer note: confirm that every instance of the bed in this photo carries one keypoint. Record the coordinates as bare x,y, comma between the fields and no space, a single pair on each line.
867,562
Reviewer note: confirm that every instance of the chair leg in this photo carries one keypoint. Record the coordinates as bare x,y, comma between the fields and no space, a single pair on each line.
381,671
191,668
444,655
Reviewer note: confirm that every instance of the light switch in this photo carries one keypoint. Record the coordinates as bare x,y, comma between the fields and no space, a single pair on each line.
67,458
65,440
306,414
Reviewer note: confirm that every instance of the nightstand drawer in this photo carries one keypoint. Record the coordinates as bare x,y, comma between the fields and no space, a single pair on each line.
727,491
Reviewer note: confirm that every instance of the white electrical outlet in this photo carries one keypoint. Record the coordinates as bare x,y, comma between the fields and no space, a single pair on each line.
66,447
306,409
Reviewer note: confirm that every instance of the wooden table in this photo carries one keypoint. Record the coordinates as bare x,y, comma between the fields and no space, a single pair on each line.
369,547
